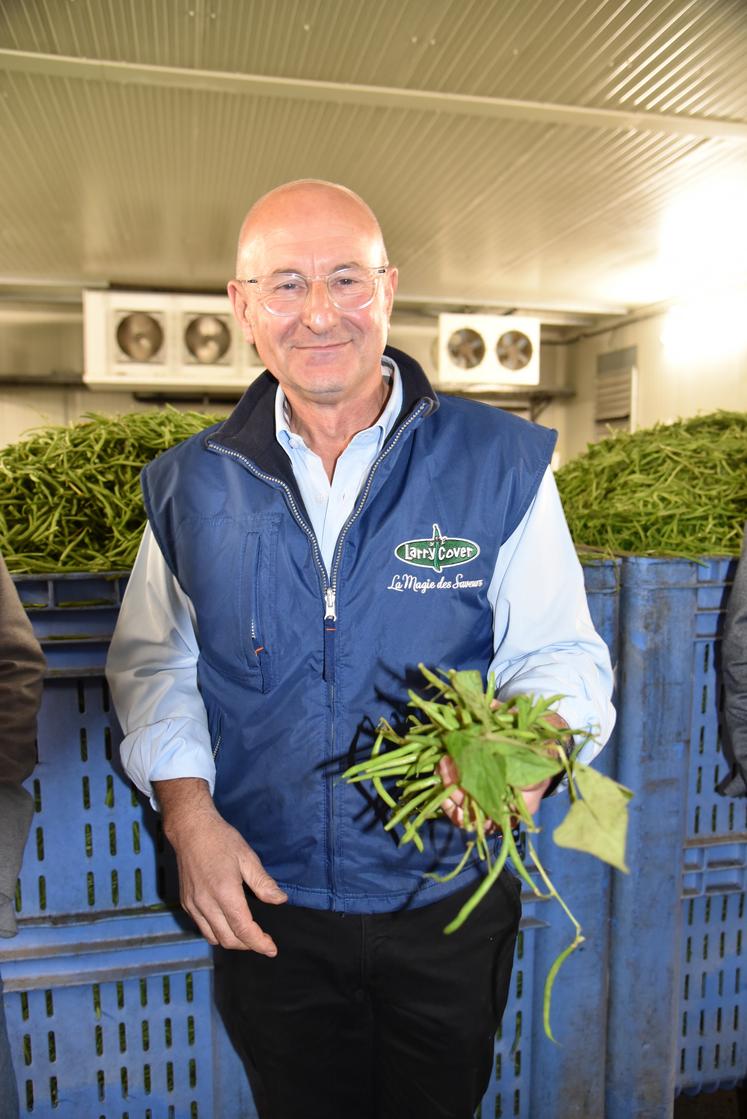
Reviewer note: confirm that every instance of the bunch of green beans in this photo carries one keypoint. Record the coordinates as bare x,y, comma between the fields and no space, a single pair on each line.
70,495
675,489
497,752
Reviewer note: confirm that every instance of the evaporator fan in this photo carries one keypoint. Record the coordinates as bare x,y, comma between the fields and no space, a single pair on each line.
514,350
208,339
466,348
140,337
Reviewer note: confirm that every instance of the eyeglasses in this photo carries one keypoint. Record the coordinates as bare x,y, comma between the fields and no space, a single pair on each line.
349,289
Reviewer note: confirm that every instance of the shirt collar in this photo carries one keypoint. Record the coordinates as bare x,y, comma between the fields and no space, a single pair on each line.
383,425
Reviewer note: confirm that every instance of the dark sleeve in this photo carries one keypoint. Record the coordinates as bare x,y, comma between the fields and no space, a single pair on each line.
734,672
21,672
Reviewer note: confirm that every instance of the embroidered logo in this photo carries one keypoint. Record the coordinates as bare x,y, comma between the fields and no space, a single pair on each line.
438,552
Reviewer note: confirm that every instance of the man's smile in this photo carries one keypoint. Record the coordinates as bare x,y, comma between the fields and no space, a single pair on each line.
321,345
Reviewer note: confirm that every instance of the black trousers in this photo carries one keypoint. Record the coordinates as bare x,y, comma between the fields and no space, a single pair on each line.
379,1016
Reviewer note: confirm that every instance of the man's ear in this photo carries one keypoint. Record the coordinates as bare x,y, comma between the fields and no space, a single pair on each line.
391,279
240,305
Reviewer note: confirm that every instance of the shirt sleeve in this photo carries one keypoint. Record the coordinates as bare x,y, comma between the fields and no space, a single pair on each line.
21,676
152,673
543,638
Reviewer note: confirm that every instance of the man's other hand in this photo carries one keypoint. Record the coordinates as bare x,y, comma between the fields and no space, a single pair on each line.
214,863
532,795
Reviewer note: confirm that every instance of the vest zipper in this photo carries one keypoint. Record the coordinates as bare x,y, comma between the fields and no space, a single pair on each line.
332,590
254,627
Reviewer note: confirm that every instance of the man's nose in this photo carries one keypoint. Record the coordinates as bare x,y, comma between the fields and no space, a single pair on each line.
319,312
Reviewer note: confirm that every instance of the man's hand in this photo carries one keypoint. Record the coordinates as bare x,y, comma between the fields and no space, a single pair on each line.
533,794
214,863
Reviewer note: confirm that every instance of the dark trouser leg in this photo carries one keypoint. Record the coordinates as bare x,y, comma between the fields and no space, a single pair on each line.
375,1017
302,1019
438,1001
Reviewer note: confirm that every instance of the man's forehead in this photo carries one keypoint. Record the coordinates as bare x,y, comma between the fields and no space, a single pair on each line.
301,246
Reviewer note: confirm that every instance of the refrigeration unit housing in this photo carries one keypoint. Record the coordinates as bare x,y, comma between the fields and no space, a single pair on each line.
161,341
489,350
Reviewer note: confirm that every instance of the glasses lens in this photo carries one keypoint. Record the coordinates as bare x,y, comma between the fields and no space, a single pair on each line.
351,288
285,293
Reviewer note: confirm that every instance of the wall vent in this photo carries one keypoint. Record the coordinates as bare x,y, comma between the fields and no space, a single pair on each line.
615,391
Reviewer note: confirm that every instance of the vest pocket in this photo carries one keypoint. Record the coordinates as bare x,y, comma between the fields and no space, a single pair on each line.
254,609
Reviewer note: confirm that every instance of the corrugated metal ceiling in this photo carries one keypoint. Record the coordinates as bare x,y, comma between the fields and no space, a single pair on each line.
666,56
484,134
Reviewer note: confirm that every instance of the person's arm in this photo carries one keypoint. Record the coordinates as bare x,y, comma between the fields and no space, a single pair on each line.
21,675
734,672
544,639
152,673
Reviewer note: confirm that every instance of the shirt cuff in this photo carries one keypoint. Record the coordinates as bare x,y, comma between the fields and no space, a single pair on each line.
167,750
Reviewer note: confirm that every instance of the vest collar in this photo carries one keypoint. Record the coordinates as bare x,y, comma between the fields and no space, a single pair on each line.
250,429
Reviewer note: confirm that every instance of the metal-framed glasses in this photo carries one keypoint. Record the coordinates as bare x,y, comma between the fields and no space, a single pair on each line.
349,289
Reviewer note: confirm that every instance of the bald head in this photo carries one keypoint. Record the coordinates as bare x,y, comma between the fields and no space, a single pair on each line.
305,202
323,355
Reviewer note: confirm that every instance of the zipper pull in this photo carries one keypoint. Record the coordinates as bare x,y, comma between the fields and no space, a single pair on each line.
329,605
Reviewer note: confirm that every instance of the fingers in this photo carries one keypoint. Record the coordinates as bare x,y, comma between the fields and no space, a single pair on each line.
259,881
213,868
230,925
453,806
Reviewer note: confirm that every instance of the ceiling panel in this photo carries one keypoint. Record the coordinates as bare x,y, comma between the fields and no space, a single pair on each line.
141,176
667,54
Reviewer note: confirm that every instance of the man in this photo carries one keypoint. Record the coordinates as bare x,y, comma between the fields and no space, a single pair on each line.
271,620
21,675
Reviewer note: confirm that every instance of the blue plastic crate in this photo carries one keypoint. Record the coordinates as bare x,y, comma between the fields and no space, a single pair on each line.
73,617
534,1077
94,847
116,1020
93,870
678,997
712,987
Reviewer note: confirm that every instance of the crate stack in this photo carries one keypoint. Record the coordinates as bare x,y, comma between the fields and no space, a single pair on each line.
110,995
678,988
109,992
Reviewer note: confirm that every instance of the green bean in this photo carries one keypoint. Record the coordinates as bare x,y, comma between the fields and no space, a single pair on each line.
71,495
408,806
675,489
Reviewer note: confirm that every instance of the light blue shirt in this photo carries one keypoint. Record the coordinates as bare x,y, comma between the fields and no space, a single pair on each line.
329,504
543,638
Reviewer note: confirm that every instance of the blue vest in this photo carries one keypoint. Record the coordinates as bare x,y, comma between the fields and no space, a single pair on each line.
297,665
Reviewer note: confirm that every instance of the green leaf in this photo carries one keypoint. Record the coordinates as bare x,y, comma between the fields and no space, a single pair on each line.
471,691
481,773
597,824
526,766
